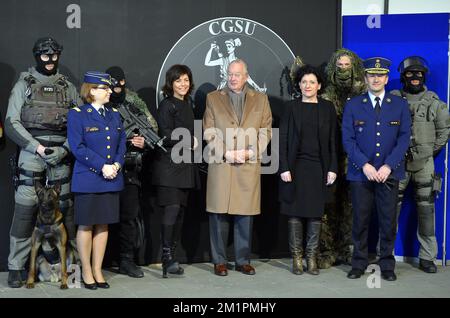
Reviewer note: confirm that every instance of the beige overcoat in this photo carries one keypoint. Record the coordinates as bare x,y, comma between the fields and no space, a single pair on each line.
235,188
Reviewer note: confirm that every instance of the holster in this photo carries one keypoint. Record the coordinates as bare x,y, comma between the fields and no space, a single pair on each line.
14,170
436,186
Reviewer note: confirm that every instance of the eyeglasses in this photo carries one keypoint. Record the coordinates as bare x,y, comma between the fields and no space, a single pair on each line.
103,87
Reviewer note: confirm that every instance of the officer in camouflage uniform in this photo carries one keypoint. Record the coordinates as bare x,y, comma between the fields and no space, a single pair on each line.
36,122
126,100
345,74
430,132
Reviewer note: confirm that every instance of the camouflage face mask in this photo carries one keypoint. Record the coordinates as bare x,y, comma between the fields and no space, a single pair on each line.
343,77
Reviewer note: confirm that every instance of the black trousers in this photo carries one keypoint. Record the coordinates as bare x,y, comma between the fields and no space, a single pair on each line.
384,196
129,210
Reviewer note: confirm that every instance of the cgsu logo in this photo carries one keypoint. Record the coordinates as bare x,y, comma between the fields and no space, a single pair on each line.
210,47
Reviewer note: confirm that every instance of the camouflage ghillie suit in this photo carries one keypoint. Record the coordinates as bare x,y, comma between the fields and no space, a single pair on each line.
336,235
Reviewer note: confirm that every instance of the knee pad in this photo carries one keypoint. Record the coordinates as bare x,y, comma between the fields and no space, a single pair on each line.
425,216
24,221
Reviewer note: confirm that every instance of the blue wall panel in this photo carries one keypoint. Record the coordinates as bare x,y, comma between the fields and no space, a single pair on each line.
397,37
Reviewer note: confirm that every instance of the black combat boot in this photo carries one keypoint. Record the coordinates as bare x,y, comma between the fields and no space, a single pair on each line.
127,266
295,232
312,245
427,266
15,279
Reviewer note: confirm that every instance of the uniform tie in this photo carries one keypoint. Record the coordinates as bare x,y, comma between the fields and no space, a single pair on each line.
101,110
377,105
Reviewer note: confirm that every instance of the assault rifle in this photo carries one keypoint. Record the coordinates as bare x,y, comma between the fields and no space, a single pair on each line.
135,122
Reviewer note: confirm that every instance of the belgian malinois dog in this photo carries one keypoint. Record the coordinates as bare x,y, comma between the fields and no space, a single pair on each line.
49,226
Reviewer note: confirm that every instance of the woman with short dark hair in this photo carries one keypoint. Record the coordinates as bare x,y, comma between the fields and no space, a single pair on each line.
174,180
308,165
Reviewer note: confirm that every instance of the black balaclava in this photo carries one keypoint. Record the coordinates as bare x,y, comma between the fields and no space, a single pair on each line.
415,65
40,65
118,74
407,82
46,46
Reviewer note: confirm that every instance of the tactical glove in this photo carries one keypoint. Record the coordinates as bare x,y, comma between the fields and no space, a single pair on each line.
54,158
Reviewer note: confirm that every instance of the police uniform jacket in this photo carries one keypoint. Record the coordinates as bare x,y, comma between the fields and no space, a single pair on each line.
376,139
94,141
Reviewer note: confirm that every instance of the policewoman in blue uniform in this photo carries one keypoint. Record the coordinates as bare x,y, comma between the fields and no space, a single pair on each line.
376,129
98,142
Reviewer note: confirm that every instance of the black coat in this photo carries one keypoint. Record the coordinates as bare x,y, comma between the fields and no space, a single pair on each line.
290,129
172,114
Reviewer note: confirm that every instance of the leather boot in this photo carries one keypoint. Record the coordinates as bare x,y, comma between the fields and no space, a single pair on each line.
295,232
312,245
175,268
169,264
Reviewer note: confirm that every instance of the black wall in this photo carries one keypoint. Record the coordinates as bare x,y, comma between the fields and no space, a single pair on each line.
138,35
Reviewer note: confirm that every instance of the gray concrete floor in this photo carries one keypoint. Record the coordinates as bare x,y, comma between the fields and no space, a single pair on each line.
273,279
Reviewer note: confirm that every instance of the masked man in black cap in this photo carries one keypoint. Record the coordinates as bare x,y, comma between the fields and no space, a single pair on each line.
430,132
36,122
127,101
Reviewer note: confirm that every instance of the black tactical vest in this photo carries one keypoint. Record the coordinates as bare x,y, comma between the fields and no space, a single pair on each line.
46,105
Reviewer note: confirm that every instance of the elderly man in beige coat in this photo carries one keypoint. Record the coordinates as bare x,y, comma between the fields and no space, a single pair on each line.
237,127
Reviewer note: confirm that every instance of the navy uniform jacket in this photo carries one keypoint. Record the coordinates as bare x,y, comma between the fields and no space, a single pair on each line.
94,141
381,140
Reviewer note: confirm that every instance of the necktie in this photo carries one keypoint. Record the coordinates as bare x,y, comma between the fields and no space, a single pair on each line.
101,111
377,105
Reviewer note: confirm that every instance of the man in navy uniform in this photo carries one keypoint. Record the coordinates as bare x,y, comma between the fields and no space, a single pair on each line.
376,130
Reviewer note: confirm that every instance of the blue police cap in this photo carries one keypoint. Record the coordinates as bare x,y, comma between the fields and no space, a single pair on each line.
93,77
377,65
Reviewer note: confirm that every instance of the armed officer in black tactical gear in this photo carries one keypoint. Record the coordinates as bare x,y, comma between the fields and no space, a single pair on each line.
430,132
127,101
36,122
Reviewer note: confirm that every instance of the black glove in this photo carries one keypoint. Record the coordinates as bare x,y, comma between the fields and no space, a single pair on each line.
56,156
